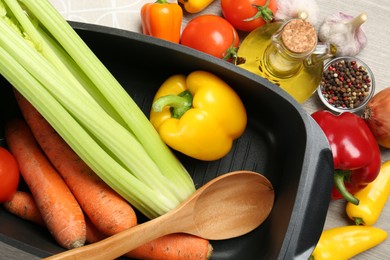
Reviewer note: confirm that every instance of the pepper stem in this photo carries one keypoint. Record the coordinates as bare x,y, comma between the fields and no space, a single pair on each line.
161,2
358,221
263,11
338,179
179,104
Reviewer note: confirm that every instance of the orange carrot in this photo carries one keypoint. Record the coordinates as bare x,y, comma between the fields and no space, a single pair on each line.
107,210
57,205
23,205
93,234
174,247
170,247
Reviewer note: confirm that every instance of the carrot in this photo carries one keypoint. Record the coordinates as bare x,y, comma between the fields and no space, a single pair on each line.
23,205
174,247
107,210
57,205
170,247
93,234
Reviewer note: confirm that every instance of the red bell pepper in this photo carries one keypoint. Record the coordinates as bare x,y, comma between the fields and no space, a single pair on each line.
356,154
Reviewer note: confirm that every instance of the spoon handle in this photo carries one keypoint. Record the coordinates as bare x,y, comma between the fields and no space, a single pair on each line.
118,244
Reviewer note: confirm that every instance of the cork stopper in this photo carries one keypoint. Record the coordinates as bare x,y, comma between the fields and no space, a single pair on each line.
299,36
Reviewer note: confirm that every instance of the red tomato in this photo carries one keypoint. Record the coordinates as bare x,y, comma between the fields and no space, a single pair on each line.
9,175
236,11
211,34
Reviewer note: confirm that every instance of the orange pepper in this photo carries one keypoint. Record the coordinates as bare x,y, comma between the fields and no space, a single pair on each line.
162,20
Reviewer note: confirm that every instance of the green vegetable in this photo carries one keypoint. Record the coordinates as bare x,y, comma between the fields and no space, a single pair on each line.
49,64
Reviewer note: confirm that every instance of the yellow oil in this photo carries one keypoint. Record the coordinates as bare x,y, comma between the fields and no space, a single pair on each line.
300,82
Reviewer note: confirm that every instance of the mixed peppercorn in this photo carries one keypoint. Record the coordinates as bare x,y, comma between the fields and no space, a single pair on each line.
345,84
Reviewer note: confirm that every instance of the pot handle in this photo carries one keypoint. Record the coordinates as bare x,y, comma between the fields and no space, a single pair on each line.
317,181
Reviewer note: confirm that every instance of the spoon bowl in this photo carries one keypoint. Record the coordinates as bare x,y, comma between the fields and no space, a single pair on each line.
228,206
232,205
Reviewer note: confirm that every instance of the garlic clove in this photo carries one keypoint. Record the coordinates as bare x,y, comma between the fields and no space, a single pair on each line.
345,32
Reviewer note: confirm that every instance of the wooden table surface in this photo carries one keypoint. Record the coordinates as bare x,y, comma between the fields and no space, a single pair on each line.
124,14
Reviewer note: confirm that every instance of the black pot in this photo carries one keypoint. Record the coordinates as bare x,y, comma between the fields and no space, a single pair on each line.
281,141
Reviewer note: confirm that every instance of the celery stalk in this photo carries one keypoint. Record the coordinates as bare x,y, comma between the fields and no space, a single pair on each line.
87,113
144,172
67,126
115,95
51,51
78,73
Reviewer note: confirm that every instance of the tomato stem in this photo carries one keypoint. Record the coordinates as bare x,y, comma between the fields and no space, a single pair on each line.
263,11
231,52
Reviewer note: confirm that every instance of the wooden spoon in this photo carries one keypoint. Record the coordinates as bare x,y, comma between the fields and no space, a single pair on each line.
228,206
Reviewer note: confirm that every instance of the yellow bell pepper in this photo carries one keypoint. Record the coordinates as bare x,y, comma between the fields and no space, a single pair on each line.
342,243
195,6
199,115
372,199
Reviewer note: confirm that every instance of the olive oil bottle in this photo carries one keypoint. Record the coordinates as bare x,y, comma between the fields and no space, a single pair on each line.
286,54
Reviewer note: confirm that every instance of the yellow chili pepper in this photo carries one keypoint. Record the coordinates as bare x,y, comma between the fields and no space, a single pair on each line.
342,243
372,199
195,6
199,115
162,20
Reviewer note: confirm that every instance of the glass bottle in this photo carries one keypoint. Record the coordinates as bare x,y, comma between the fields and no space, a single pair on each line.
286,54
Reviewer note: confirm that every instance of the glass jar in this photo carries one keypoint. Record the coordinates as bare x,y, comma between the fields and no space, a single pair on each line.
287,54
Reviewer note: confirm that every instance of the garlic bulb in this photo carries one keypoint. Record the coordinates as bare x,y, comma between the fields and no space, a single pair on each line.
289,9
345,32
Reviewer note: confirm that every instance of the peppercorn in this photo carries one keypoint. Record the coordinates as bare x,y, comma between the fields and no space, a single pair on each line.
345,84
